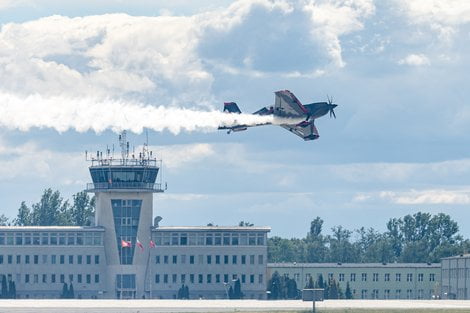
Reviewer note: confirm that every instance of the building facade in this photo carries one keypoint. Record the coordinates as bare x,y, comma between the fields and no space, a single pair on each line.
125,254
369,280
455,273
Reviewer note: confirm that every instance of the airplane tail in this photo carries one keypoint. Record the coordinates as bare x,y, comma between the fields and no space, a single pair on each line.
231,107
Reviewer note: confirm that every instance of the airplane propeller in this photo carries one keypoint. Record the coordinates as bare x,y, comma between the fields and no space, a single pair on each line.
330,102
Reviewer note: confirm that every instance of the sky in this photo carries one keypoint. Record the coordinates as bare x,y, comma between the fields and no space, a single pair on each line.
75,73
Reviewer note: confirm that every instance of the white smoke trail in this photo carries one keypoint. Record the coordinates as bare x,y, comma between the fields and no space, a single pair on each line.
62,114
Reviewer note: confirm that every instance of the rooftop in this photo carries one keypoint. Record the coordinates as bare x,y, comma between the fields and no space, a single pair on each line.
354,265
213,228
51,228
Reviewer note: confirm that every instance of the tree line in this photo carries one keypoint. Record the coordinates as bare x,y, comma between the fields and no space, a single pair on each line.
53,210
420,237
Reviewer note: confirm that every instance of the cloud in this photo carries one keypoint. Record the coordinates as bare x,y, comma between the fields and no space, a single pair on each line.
177,156
442,16
415,197
415,60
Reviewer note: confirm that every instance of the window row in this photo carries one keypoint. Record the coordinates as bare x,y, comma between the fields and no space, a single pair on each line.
207,278
49,259
55,278
209,239
375,277
48,238
393,294
209,259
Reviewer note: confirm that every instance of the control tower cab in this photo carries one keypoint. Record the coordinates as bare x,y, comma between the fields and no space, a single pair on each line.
124,189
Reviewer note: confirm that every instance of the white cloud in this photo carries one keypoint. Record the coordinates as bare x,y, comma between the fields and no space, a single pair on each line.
177,156
416,197
443,16
332,19
415,60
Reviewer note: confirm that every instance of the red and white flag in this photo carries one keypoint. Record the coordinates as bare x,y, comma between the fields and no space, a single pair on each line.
152,244
125,244
140,245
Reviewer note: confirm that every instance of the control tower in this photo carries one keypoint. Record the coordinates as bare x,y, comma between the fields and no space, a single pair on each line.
124,189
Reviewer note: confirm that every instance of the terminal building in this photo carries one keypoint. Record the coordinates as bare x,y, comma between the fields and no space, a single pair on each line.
125,254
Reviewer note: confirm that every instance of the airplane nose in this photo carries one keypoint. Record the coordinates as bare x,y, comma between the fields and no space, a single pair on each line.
333,106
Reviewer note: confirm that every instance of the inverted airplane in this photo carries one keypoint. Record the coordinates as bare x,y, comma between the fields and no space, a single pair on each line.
289,113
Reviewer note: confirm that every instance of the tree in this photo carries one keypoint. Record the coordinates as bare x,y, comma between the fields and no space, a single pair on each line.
83,207
292,291
24,217
71,293
4,221
65,291
12,290
4,287
186,292
274,286
348,293
247,224
230,292
237,290
50,210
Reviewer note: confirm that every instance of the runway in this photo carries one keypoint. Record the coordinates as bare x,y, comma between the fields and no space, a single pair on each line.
173,306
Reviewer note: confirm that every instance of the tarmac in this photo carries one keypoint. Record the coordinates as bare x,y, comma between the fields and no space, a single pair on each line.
173,306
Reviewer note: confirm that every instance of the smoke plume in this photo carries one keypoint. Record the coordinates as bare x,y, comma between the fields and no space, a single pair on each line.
62,114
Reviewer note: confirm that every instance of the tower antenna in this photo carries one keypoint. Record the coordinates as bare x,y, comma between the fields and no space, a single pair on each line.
124,145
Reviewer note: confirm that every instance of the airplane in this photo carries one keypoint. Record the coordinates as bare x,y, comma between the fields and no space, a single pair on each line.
289,113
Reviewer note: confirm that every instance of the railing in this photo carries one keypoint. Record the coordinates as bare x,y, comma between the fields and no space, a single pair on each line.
153,187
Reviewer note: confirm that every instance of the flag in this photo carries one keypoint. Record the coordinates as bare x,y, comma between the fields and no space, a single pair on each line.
139,244
152,244
125,244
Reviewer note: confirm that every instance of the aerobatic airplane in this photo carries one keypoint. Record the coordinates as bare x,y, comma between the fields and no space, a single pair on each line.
288,113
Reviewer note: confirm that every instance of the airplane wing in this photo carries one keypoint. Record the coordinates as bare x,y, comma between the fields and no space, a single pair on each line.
306,130
287,105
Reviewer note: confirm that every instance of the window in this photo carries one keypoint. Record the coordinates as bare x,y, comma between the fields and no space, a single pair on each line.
191,259
209,279
330,276
234,259
44,278
52,278
79,259
387,277
252,259
26,278
398,294
225,259
364,294
209,259
183,239
26,259
173,278
217,239
225,278
157,259
36,259
260,278
341,277
226,239
165,259
420,277
191,278
199,279
183,278
234,239
70,259
409,277
79,278
18,259
409,294
243,278
53,259
260,259
217,259
397,277
217,278
375,277
209,239
70,277
88,278
62,259
97,259
375,294
252,279
157,278
62,278
387,294
364,278
352,277
165,278
243,259
432,277
97,278
88,259
10,259
175,259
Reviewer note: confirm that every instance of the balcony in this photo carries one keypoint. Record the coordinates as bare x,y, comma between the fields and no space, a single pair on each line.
124,186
